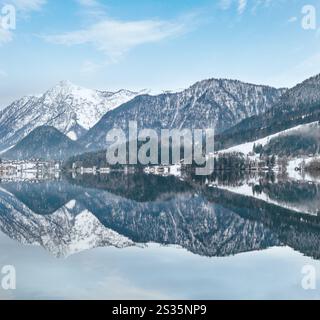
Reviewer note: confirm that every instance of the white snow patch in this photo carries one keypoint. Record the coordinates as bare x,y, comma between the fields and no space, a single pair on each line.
247,147
71,204
247,190
5,150
72,135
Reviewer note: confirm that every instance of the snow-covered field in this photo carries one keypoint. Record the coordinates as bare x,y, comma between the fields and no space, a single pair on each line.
247,147
247,190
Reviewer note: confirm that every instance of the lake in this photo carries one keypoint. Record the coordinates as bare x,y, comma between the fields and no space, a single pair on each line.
138,236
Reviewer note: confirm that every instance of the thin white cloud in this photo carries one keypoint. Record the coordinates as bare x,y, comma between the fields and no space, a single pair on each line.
21,6
26,5
292,19
242,4
89,66
114,37
92,9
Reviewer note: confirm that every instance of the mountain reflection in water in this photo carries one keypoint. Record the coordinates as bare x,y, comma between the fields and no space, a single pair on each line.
220,216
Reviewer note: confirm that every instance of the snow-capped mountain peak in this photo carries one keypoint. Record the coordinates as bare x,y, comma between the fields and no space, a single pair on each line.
69,108
66,89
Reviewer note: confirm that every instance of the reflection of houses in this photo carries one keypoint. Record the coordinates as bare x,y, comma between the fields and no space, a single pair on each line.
164,170
7,169
76,168
104,170
22,168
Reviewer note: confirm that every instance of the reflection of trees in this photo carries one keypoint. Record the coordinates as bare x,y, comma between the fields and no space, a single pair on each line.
292,192
138,187
168,210
299,231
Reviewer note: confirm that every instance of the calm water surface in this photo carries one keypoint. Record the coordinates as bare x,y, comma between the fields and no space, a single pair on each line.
151,237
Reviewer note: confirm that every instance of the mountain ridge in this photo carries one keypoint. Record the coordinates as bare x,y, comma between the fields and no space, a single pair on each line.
44,142
209,103
299,105
69,108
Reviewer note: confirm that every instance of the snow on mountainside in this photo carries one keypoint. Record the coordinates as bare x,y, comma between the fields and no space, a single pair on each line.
44,142
299,145
71,109
247,147
97,218
69,230
298,105
305,93
213,103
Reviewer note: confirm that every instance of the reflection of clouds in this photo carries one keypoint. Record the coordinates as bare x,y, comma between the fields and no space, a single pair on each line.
117,288
157,273
97,274
6,295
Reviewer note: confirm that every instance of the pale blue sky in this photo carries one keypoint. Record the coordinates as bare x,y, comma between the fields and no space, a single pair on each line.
155,44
